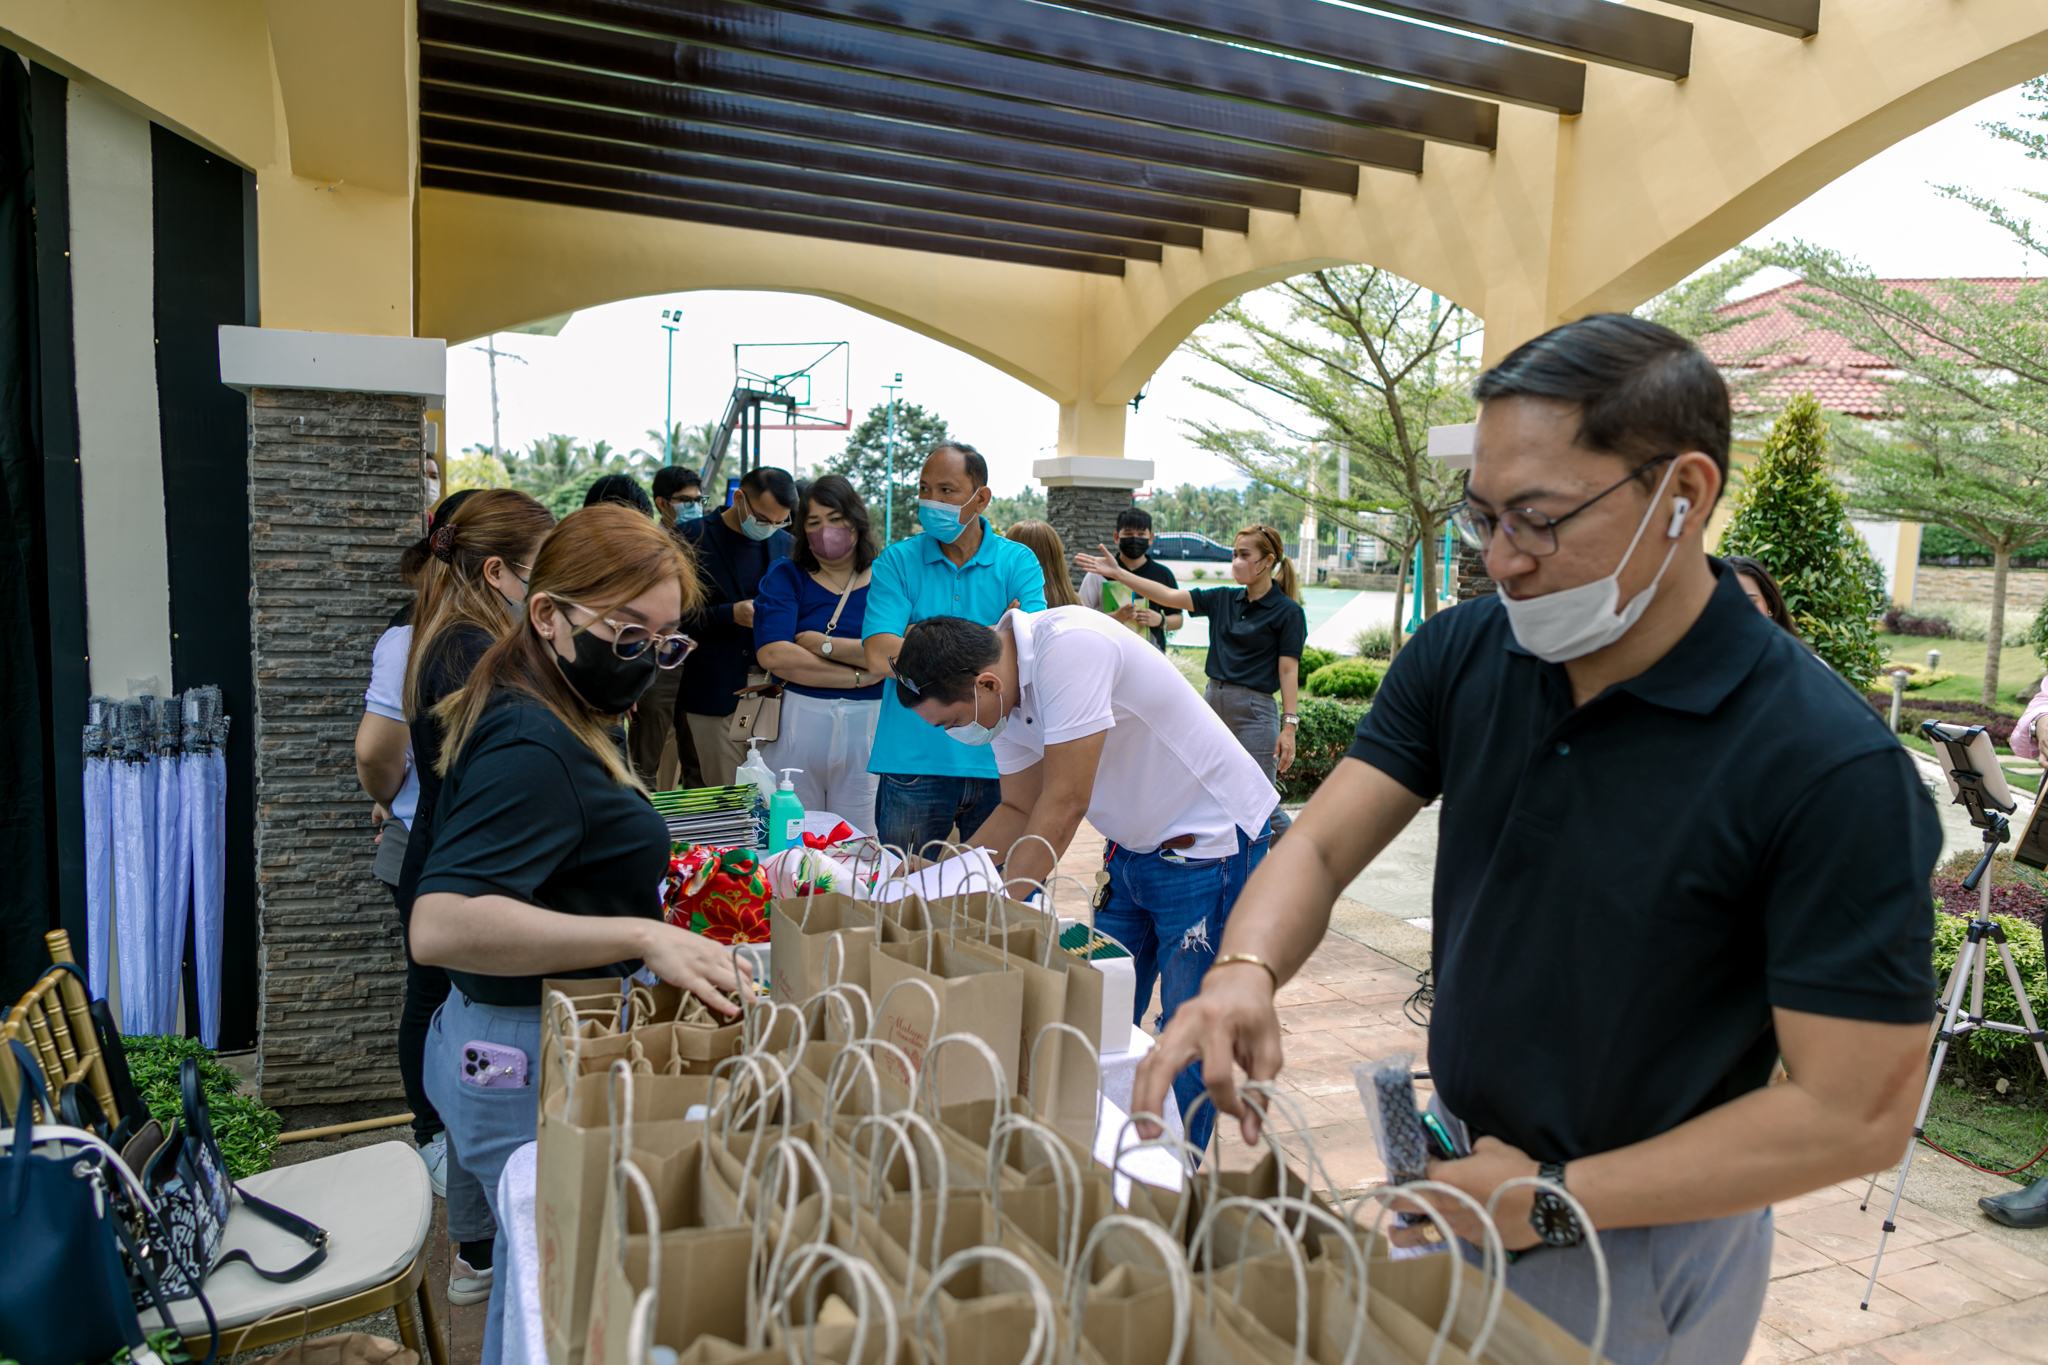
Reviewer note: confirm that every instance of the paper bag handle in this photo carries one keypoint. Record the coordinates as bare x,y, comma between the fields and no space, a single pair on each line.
1189,1154
640,1332
620,1135
623,1174
927,1074
1177,1278
781,1169
910,1077
915,1122
1041,1349
1094,1060
1284,1241
1592,1243
1066,1233
869,1291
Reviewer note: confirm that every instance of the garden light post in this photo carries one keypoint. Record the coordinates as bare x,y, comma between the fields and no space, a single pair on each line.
889,480
669,317
1899,676
1933,659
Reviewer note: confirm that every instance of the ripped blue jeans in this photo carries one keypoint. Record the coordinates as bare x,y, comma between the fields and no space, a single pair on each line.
1170,911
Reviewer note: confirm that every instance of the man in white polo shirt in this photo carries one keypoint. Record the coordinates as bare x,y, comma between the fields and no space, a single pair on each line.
1086,718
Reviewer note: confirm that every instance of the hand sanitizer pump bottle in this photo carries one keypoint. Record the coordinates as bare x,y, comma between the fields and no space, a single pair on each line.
785,816
757,773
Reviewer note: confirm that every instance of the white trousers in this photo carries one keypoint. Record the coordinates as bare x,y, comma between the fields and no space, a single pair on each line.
830,740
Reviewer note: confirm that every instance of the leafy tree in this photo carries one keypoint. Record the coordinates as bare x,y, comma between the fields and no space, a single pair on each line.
476,467
1791,518
1220,513
557,470
1359,360
684,445
866,462
1028,505
1692,308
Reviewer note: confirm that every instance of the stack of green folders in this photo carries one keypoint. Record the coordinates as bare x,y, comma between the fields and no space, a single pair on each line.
724,817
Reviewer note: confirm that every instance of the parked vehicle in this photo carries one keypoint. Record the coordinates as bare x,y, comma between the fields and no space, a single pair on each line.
1187,546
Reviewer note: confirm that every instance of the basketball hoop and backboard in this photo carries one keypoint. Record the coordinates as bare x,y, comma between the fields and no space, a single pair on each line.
815,376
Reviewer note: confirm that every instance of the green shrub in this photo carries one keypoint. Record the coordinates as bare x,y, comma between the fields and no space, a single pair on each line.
1350,679
1995,1051
246,1129
1374,642
1320,740
1790,516
1313,659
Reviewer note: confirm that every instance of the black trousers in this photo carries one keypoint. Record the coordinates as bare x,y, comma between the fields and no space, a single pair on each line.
425,989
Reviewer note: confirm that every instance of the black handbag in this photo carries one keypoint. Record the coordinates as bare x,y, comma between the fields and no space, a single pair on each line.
65,1296
187,1180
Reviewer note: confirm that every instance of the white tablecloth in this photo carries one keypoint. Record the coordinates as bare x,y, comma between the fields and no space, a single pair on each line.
524,1342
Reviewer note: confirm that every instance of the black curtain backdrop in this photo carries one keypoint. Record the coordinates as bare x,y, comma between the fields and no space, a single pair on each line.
25,767
204,249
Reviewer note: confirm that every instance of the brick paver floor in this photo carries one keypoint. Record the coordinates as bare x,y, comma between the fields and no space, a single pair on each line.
1948,1292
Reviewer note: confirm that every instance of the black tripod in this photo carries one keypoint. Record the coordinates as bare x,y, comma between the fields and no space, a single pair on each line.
1955,1024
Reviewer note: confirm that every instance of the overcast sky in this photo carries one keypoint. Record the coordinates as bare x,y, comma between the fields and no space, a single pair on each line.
603,377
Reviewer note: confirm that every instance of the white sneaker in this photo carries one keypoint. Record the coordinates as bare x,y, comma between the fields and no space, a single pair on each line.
435,1154
467,1284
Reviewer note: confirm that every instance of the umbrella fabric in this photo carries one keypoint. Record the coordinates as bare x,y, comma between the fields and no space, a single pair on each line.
173,868
134,843
99,796
203,802
203,792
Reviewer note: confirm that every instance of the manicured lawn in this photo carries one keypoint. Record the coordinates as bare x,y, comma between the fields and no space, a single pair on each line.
1998,1131
2017,667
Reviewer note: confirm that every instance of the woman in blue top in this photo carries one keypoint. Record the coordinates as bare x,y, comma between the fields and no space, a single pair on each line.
807,632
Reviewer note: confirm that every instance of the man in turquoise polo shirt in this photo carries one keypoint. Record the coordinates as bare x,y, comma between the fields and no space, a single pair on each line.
956,566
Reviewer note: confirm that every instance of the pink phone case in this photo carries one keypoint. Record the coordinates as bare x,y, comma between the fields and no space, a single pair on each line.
493,1064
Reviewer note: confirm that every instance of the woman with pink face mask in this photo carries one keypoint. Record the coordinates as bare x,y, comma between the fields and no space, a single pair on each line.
807,632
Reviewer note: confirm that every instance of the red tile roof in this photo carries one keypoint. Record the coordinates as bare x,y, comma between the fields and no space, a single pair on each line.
1774,354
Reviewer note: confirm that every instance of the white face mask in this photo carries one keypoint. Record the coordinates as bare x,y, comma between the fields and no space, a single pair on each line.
1573,622
433,493
974,732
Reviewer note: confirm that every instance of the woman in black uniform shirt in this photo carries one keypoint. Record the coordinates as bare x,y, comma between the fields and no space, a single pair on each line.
548,857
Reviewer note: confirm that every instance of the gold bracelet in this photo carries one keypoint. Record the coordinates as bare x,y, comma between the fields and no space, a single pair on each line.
1258,962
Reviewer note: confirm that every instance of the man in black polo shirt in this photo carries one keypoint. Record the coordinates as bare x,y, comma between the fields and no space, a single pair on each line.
1673,845
1134,554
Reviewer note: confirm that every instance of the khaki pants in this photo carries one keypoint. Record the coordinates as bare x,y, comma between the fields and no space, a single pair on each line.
652,728
718,756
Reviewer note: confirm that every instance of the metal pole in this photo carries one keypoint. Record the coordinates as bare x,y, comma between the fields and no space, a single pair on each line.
668,413
1415,607
491,350
889,479
1447,559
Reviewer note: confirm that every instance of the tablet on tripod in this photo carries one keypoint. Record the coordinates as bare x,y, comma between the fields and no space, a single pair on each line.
1974,778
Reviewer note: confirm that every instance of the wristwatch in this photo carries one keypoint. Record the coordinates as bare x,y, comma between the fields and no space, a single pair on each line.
1551,1216
857,676
1290,720
826,648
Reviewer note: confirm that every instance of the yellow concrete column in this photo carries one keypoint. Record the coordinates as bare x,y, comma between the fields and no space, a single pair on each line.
1093,429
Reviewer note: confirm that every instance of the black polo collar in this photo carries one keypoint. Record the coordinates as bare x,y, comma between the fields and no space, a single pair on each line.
1710,660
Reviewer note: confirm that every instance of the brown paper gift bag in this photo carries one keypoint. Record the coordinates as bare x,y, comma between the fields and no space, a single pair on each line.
815,942
1521,1335
1134,1314
579,1130
660,1241
977,994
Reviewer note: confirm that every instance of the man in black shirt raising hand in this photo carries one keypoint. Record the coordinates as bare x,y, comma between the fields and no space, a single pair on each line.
1673,845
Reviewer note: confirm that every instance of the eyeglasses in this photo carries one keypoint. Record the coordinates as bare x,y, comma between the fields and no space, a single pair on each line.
912,688
1528,530
631,641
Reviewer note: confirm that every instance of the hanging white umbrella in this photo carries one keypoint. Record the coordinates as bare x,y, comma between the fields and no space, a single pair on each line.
134,847
173,866
203,802
99,796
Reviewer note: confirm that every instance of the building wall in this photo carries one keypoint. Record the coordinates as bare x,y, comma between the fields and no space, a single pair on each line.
335,496
2025,589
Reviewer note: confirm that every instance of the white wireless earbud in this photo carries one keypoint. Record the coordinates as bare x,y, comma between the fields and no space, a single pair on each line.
1679,508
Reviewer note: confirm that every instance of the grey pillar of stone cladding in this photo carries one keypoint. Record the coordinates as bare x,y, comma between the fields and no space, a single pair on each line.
335,496
1085,519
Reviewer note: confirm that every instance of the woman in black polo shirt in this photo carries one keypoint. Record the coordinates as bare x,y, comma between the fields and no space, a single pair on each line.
547,856
1256,635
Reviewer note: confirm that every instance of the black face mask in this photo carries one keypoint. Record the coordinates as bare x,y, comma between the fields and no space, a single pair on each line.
1133,547
604,680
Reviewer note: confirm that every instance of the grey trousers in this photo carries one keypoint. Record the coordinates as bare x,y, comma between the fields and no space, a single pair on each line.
1683,1294
1254,717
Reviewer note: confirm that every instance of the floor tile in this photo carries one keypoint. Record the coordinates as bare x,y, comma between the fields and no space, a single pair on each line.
1994,1264
1844,1232
1325,1014
1944,1343
1827,1194
1790,1256
1772,1347
1899,1258
1820,1311
2018,1329
1943,1290
1301,991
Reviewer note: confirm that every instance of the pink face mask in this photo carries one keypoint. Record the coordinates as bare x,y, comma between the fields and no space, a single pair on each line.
831,542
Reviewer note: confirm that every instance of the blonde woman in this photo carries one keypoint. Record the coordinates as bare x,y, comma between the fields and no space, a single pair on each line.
1043,541
548,854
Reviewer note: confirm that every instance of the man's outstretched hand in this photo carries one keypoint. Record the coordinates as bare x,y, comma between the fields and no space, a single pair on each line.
1230,1024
